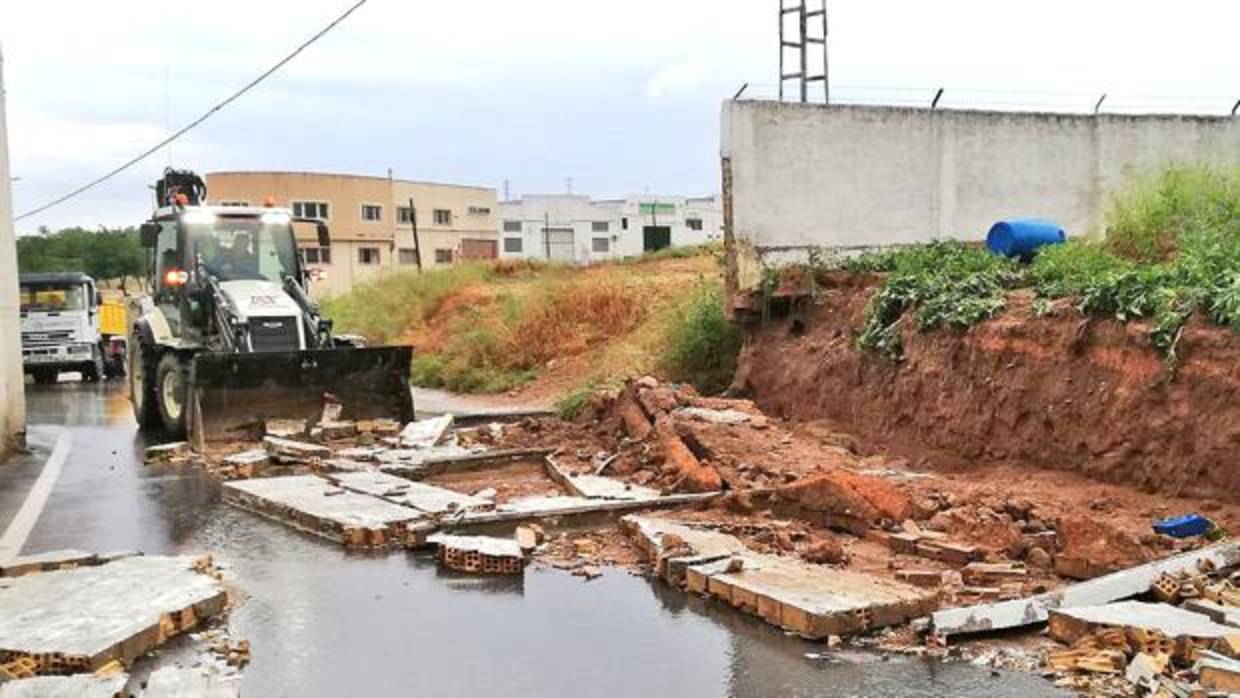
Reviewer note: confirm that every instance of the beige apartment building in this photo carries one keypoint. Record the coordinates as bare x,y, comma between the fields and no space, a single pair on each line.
370,221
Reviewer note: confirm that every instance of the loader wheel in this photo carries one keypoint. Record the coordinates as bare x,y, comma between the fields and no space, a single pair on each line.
170,391
142,387
45,376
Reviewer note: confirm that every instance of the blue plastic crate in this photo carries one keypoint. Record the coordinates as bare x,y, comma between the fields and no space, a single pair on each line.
1184,526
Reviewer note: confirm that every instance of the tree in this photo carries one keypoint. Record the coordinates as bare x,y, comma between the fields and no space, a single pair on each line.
102,254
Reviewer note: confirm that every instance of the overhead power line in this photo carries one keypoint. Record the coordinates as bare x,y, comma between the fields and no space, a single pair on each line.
190,126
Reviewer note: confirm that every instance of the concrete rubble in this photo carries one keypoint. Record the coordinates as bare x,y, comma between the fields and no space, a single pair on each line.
792,526
83,618
478,554
809,600
77,686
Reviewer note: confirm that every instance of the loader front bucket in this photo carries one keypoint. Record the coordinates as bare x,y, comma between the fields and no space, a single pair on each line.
231,395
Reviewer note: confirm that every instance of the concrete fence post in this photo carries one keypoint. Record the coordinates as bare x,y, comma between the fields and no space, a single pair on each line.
12,379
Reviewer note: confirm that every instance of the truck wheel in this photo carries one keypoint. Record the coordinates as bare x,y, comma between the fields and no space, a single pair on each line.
170,391
93,371
142,387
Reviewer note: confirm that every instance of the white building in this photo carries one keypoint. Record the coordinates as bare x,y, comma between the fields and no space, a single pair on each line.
581,230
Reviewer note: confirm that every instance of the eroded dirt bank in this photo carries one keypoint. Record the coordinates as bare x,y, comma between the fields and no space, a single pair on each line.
1049,392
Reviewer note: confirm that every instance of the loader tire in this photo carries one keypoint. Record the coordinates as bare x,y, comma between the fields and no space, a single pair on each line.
170,394
142,387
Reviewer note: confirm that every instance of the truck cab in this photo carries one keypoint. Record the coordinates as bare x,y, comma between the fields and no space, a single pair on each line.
60,315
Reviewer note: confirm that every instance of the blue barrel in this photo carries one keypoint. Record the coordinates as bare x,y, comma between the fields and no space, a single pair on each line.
1023,236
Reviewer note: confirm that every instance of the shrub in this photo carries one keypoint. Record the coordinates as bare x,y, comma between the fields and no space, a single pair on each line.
702,342
1149,221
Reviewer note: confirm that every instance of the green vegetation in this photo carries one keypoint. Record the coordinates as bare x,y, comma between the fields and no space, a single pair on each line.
383,309
569,406
1172,249
102,254
702,343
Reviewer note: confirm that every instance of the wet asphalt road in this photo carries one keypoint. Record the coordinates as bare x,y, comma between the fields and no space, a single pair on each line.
326,623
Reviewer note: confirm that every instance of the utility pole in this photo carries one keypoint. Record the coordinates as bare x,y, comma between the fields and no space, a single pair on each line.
417,245
507,189
547,233
12,380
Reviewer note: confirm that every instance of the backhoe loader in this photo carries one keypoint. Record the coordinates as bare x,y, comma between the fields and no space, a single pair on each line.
229,338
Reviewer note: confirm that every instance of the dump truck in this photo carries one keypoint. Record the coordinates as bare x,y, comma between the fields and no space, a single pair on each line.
228,338
68,326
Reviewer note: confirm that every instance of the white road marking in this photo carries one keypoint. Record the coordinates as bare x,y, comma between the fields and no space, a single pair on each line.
15,536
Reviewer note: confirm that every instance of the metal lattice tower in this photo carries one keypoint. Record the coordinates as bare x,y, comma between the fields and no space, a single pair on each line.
807,13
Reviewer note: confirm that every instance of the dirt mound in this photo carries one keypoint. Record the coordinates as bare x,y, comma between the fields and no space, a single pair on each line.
1055,392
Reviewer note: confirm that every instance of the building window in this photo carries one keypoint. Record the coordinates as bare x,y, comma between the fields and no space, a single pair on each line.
408,255
512,226
310,209
693,223
479,211
443,216
234,203
372,213
443,256
368,255
404,214
512,244
602,245
624,223
318,255
600,226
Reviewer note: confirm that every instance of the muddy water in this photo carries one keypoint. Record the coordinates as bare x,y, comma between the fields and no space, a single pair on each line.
326,623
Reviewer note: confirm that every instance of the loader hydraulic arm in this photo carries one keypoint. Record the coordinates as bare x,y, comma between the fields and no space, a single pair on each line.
230,328
318,328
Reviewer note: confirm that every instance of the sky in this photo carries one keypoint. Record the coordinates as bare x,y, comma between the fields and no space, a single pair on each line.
621,97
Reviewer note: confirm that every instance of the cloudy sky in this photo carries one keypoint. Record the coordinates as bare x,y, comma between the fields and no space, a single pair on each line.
620,96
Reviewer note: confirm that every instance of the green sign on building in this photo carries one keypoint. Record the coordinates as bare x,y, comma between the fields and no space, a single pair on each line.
647,209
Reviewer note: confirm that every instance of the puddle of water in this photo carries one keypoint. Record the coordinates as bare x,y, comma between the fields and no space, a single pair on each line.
324,622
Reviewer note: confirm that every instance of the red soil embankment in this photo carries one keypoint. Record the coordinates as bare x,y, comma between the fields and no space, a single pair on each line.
1051,392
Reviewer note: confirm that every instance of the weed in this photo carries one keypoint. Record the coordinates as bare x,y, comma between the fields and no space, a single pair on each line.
702,342
381,310
569,406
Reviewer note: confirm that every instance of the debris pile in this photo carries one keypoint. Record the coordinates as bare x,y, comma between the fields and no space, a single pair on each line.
1187,641
88,617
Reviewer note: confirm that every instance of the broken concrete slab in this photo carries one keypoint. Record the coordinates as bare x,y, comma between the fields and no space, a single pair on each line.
378,427
810,600
1219,674
425,498
254,456
713,416
78,686
315,505
1100,590
165,451
416,464
184,682
596,486
1070,624
478,554
539,508
79,619
331,431
1223,615
288,450
425,433
284,428
42,562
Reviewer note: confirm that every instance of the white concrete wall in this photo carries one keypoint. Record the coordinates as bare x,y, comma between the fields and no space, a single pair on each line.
854,176
12,389
624,219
